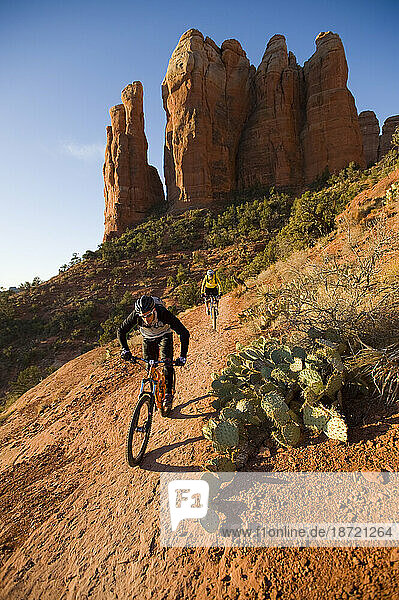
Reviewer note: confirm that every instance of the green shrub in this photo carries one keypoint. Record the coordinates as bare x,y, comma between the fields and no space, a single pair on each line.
25,380
172,281
188,294
313,214
182,274
262,260
119,312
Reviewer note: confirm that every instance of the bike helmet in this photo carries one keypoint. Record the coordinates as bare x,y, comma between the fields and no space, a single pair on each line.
144,305
210,272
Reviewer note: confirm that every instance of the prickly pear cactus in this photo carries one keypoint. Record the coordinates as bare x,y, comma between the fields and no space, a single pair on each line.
221,463
315,417
336,429
267,384
226,434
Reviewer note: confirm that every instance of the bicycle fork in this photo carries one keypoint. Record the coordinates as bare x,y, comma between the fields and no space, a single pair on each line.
147,425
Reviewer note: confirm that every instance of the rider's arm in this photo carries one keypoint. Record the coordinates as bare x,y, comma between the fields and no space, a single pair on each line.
203,286
124,329
167,317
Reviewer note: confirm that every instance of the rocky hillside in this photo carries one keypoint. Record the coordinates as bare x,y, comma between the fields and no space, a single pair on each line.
46,325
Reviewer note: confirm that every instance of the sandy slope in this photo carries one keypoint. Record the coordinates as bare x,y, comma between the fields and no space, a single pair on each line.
78,523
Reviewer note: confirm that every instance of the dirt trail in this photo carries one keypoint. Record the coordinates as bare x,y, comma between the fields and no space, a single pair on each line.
78,523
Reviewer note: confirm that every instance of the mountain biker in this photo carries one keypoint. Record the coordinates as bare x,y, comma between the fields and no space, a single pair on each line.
155,323
210,286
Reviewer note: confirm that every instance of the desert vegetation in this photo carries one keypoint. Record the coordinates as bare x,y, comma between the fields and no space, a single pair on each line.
331,327
46,323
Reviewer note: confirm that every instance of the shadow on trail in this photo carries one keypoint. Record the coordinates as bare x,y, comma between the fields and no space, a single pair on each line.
178,414
150,462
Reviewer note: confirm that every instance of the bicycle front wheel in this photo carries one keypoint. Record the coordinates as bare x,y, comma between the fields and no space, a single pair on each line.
139,430
214,316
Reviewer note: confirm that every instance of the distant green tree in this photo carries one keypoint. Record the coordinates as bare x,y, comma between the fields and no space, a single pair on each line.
75,259
395,139
26,379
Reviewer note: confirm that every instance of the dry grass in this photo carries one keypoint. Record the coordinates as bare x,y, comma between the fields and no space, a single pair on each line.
354,291
381,367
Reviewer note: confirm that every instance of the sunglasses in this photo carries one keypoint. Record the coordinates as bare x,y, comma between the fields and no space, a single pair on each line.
148,314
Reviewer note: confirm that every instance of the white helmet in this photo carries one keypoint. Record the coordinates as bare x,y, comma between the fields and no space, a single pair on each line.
210,272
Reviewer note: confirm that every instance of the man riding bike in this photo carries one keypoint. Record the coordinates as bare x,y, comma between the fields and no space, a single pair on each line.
155,324
210,286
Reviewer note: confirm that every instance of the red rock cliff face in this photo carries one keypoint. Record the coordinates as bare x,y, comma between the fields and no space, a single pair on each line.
370,130
270,151
131,187
230,127
206,98
388,129
331,137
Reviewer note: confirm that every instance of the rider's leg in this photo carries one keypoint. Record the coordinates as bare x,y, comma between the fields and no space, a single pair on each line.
207,306
166,353
214,292
150,349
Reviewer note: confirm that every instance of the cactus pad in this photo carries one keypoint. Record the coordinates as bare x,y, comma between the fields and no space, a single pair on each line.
289,435
333,385
311,378
221,463
315,417
297,365
226,434
280,376
281,354
272,402
298,352
336,429
229,414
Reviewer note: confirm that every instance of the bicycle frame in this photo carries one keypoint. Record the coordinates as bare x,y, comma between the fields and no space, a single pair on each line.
212,307
155,379
213,301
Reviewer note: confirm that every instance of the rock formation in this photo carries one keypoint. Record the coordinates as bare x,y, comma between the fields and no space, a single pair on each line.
388,130
131,186
231,127
206,95
376,146
370,130
331,136
270,151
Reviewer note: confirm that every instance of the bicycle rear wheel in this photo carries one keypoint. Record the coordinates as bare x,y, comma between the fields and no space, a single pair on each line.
139,430
165,411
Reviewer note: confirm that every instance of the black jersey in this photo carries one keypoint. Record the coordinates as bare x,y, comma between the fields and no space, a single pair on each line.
164,321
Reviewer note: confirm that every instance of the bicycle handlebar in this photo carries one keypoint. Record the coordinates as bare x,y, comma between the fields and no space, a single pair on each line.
154,362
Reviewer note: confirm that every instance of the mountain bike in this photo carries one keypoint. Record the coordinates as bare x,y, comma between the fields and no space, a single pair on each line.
212,306
151,396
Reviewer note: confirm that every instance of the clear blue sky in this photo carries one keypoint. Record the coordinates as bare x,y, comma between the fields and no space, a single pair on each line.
63,65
